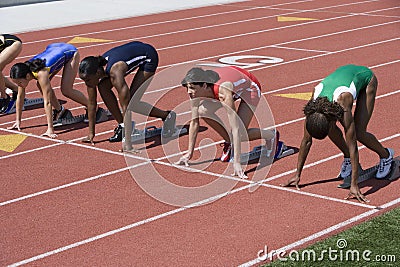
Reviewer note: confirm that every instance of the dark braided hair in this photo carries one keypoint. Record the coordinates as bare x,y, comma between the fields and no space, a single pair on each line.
198,76
20,70
90,65
319,114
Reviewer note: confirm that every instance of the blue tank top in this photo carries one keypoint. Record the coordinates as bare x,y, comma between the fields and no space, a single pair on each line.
56,56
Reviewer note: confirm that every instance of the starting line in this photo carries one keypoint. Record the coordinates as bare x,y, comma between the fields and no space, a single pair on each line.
371,172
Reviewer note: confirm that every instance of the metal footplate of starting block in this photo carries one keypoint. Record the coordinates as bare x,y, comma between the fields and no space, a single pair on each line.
28,102
152,131
371,172
262,151
69,119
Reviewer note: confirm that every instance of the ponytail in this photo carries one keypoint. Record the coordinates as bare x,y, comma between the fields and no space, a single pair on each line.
90,65
20,70
36,64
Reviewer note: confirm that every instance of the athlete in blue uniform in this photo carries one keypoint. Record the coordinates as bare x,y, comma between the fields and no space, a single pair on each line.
43,67
332,101
108,71
10,47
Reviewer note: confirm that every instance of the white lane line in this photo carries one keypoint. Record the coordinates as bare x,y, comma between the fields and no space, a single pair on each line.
279,45
223,38
158,23
70,184
299,49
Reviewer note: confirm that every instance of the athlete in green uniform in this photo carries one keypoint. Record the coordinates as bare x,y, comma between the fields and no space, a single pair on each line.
333,101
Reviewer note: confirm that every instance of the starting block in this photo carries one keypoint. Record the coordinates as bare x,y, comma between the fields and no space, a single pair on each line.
371,172
152,131
262,151
28,102
69,119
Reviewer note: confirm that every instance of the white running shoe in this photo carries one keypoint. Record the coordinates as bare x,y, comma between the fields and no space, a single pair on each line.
384,165
345,170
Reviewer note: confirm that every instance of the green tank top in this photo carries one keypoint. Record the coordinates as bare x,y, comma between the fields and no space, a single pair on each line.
348,78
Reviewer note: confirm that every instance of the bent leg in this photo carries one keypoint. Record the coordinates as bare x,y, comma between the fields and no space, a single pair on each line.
362,114
207,111
68,79
336,136
110,99
246,113
138,87
6,57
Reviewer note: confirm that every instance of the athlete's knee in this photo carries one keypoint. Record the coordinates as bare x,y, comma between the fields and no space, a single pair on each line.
66,90
362,135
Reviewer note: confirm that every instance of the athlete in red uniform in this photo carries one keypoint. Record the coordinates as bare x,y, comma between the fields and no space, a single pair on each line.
227,85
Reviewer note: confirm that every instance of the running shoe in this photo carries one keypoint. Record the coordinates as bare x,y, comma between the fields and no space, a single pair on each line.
345,170
58,114
117,137
226,152
384,165
4,102
168,128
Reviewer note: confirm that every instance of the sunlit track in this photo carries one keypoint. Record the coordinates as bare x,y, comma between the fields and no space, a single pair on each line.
136,224
95,212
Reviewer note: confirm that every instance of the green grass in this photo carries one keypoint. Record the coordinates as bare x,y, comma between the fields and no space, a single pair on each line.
379,235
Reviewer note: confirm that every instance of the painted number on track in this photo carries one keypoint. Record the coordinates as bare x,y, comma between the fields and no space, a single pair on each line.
245,61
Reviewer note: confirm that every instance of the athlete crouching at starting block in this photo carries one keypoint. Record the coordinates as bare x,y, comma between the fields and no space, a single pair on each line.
332,101
108,71
209,90
42,68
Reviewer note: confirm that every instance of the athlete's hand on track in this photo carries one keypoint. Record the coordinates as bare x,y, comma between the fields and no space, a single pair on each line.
16,125
355,192
88,139
50,134
238,170
184,160
294,180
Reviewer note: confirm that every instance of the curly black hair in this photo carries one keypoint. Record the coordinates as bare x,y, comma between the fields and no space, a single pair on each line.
319,114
